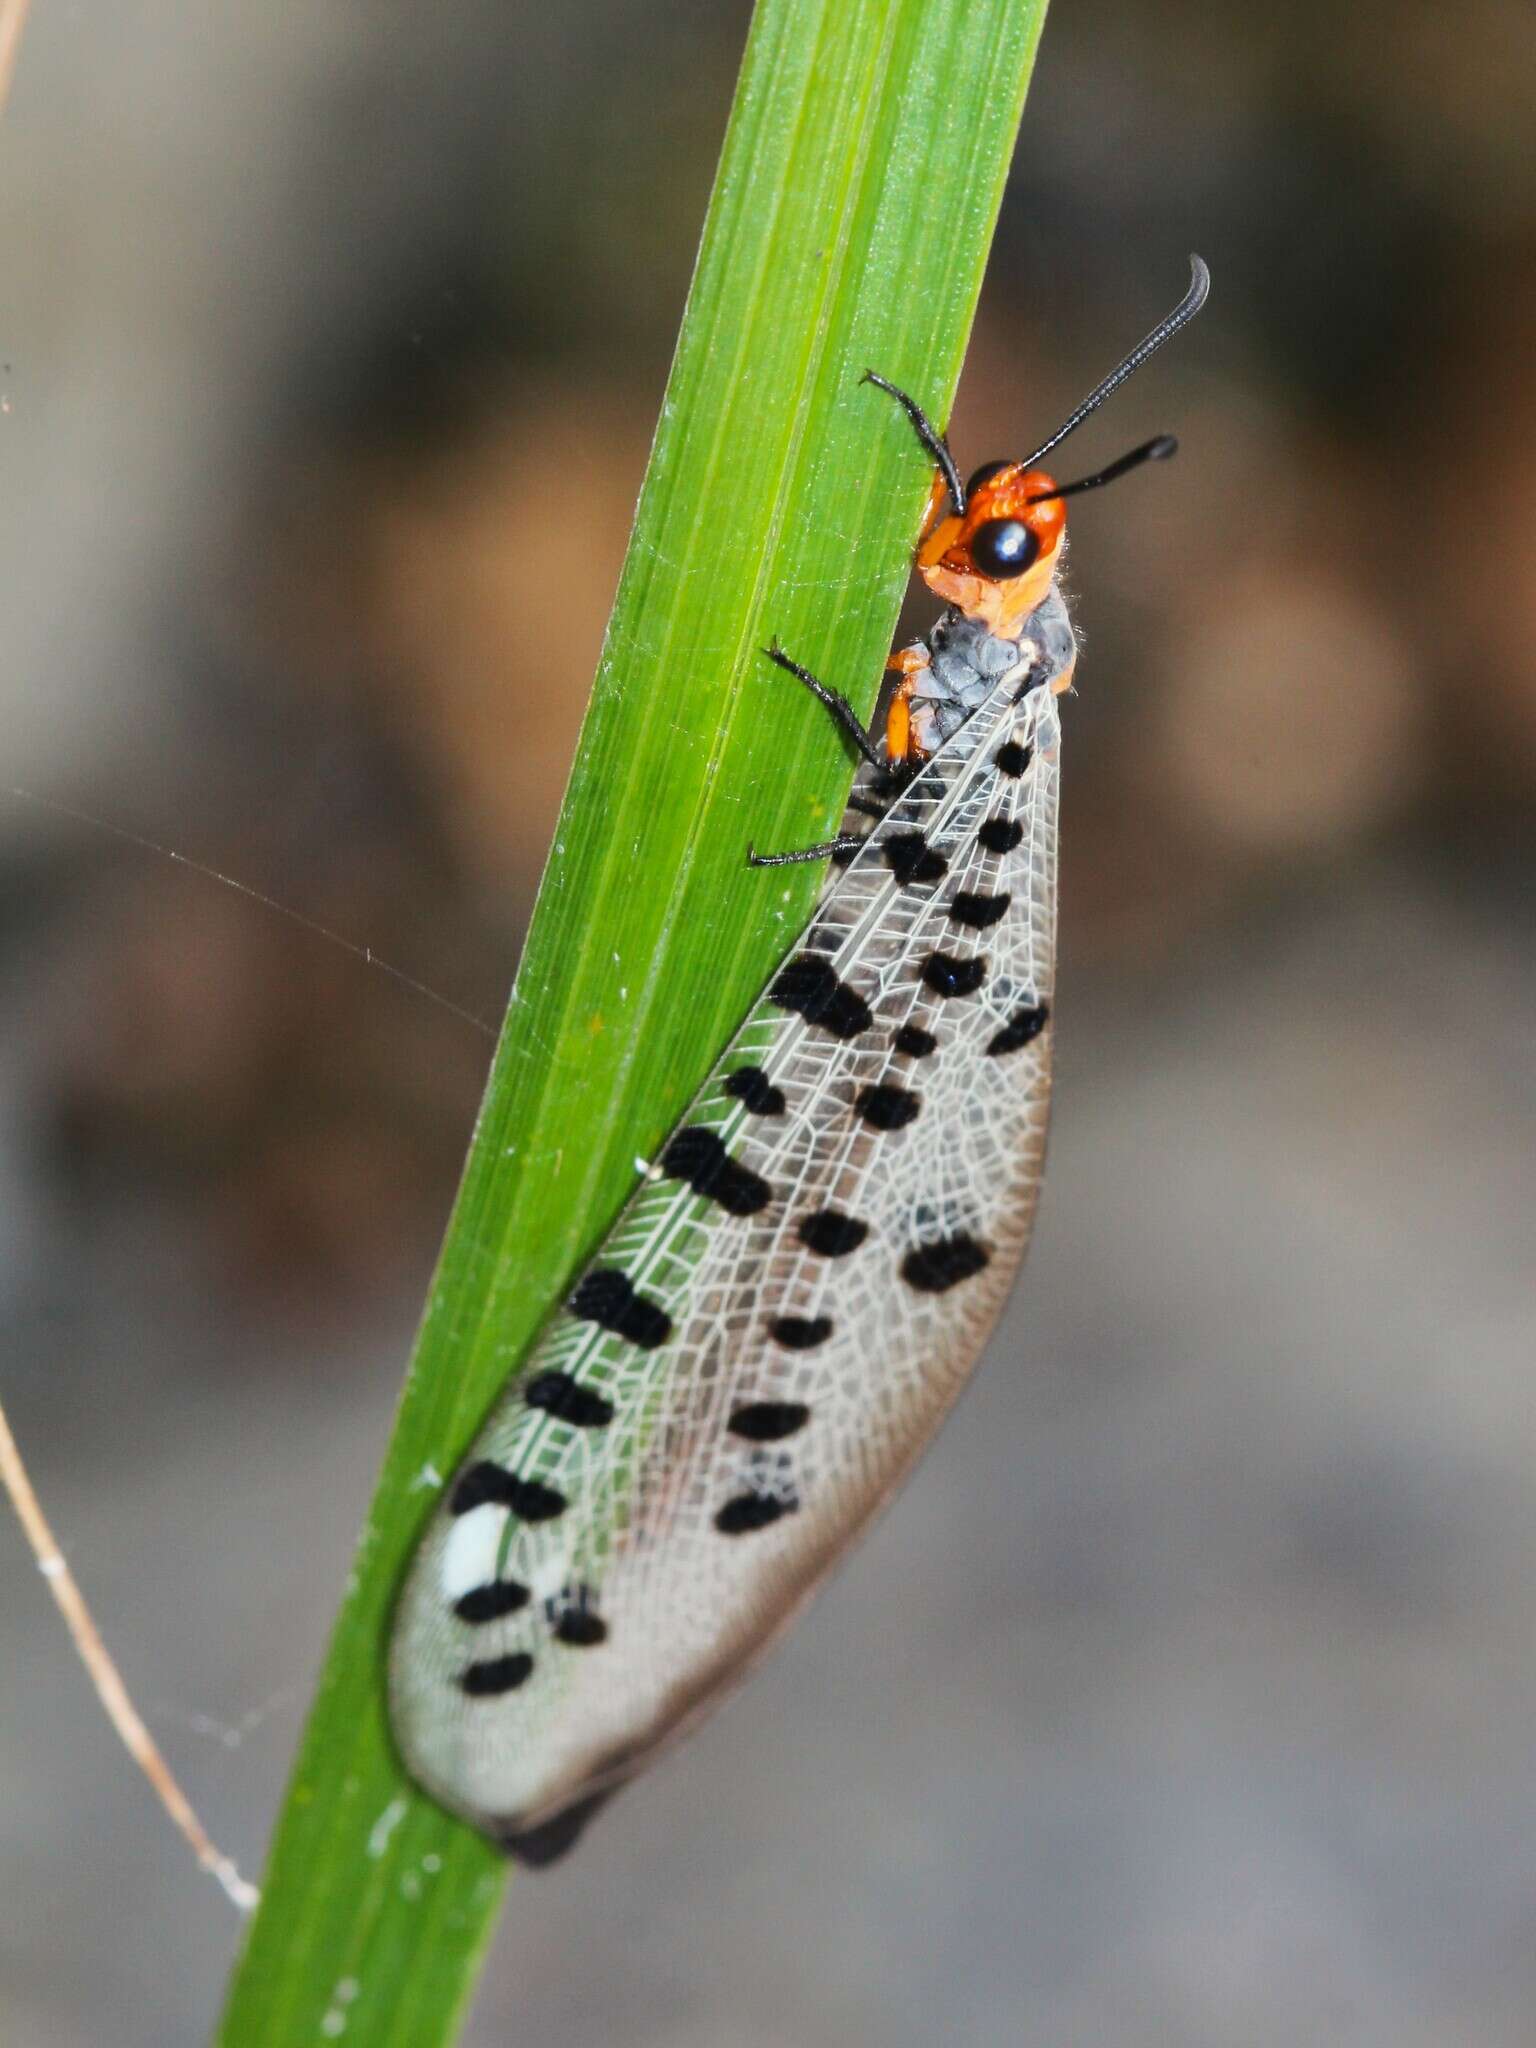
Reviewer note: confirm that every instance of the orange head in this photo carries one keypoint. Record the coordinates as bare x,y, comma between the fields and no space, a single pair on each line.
995,560
991,547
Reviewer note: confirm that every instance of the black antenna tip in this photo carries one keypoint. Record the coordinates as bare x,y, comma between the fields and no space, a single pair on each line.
1164,446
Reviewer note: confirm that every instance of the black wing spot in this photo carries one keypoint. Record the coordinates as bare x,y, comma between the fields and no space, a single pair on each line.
887,1107
935,1268
752,1087
496,1675
831,1233
978,911
567,1400
698,1156
491,1602
1025,1024
607,1297
911,859
800,1333
768,1422
581,1628
1000,835
750,1511
484,1484
811,987
533,1501
489,1484
914,1041
947,976
1012,758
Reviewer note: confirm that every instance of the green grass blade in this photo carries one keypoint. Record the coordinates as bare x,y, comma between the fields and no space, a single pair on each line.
849,225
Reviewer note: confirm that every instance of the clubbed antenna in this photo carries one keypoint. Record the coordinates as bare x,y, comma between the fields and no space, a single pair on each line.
1182,314
1158,449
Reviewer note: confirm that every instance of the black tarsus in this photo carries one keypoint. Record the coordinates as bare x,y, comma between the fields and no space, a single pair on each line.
935,442
835,702
846,842
866,806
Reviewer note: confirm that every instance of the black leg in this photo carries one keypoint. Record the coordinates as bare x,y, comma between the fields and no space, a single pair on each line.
846,842
935,443
838,705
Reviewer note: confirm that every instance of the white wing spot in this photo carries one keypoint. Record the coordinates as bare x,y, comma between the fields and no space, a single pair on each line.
469,1554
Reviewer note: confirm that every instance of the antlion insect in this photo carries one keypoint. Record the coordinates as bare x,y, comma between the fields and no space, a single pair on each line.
791,1300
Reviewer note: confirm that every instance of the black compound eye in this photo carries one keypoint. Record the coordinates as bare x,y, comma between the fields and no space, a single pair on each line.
1003,547
984,475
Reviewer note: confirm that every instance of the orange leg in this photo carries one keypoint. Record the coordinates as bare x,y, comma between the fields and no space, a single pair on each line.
909,663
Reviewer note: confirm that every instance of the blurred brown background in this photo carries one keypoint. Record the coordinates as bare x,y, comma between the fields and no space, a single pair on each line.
1187,1697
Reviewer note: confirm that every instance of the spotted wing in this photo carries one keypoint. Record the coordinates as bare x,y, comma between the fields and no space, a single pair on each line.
774,1328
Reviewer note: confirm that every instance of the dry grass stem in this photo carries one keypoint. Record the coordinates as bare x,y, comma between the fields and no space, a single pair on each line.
106,1677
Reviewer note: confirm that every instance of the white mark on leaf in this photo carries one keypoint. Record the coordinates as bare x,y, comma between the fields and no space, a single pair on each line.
384,1827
